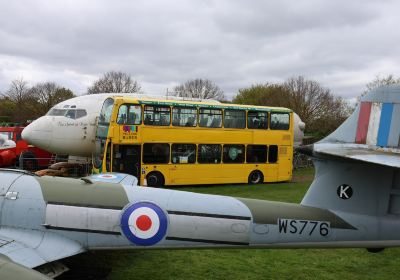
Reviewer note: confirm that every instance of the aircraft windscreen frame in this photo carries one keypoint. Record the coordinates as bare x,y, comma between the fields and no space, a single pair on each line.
68,113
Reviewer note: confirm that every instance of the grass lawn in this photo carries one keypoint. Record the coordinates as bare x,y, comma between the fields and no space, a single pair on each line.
251,264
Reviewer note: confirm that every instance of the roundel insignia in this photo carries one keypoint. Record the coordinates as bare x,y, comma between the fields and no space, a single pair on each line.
107,176
144,223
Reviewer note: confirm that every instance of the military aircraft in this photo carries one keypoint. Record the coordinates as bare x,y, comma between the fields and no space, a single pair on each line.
354,201
69,128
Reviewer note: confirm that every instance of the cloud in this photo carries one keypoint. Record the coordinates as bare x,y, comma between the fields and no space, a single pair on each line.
237,43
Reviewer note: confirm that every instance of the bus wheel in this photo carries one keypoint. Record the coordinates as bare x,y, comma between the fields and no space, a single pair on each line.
256,177
155,179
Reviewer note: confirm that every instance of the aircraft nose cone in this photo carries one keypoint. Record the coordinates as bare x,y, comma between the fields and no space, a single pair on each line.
38,133
302,126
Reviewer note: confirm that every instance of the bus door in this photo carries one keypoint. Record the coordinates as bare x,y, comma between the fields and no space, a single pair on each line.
126,159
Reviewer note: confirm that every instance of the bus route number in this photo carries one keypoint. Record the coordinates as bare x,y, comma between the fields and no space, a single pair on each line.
304,227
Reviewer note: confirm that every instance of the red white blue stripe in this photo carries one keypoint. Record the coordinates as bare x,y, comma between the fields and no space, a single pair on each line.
377,124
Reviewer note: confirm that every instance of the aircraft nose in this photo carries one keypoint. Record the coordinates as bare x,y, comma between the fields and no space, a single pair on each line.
302,126
38,133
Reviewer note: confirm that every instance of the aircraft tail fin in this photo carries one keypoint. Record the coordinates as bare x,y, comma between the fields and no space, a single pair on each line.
375,121
358,165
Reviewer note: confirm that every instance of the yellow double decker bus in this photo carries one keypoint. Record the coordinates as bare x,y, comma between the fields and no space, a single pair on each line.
173,142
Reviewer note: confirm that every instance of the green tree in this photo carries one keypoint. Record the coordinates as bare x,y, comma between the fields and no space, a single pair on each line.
7,109
317,106
19,95
48,94
21,103
263,95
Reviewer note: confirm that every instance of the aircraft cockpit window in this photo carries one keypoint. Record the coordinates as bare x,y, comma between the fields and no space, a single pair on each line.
70,114
66,106
80,113
73,106
57,112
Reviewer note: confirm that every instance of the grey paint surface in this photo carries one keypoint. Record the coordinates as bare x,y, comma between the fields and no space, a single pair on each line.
394,135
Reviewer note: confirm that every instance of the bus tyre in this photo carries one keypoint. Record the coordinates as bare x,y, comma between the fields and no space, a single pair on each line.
256,177
375,250
155,179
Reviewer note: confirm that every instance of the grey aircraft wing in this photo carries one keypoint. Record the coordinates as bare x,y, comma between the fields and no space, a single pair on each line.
371,154
12,271
33,249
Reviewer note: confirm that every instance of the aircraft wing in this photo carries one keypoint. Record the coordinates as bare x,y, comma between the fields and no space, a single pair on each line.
12,271
371,154
22,250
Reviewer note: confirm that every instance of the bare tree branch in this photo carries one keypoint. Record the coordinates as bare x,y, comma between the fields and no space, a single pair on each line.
115,82
199,88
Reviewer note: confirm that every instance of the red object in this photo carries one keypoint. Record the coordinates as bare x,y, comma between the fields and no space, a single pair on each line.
8,157
143,222
363,121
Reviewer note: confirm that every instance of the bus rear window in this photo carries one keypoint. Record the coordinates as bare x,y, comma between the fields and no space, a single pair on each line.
257,120
155,153
157,115
279,121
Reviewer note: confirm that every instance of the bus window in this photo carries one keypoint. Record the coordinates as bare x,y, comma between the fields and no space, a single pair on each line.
102,132
182,116
273,154
234,119
210,117
183,153
233,154
279,121
122,114
257,120
106,110
7,135
209,153
256,154
155,153
157,115
129,114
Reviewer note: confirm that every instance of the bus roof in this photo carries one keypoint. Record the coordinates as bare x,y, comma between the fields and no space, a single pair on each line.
203,104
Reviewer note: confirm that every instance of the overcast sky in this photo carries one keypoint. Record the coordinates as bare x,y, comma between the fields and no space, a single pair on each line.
341,44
